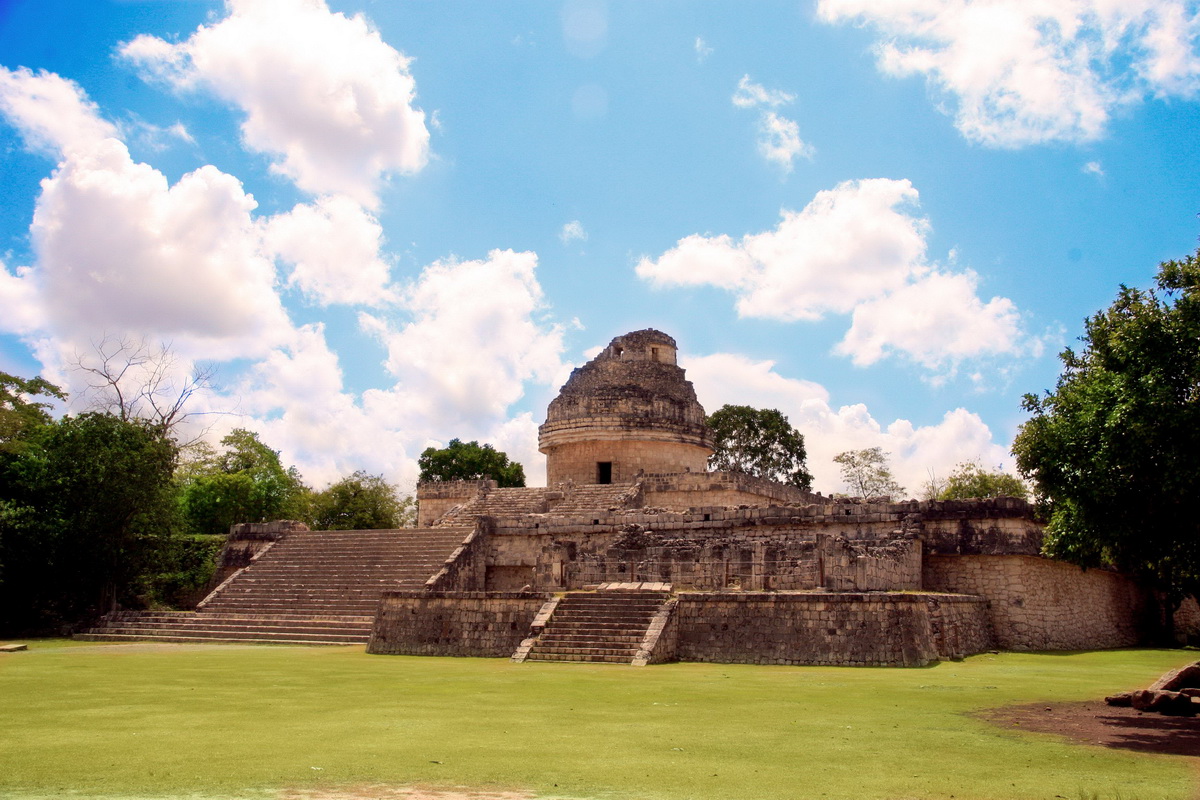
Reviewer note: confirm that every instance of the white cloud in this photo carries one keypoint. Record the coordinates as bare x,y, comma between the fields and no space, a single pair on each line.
778,137
856,249
1023,72
475,338
960,435
322,92
937,319
754,95
53,113
334,248
573,231
1093,168
703,51
118,249
20,297
779,141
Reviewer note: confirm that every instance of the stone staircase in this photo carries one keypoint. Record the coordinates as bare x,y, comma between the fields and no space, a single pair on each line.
609,625
310,587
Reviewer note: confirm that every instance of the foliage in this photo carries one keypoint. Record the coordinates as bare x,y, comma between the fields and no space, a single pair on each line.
81,715
969,480
87,509
469,461
188,564
244,482
20,413
1115,448
758,442
867,473
360,502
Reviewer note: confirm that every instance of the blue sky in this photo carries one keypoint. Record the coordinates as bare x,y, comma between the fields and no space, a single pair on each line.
388,224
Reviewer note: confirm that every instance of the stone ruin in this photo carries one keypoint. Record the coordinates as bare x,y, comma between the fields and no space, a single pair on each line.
635,553
737,568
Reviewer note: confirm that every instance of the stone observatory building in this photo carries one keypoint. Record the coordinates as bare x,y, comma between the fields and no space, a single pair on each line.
634,553
626,412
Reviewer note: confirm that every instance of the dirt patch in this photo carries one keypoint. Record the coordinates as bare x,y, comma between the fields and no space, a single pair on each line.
1095,722
384,792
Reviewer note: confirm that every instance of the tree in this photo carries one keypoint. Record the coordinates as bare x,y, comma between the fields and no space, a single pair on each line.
20,413
470,461
85,512
137,382
867,473
359,502
1114,450
244,482
969,480
758,442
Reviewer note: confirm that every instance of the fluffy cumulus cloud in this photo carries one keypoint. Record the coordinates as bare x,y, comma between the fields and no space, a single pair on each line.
119,249
53,113
333,247
322,92
915,450
856,249
122,253
778,137
1019,72
573,231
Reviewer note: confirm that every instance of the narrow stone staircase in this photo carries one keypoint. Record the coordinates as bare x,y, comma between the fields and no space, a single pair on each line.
310,587
609,625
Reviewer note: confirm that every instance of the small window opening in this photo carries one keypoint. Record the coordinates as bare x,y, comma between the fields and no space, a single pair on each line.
654,354
604,472
617,350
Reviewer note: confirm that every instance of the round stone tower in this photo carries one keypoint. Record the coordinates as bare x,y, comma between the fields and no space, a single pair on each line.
627,410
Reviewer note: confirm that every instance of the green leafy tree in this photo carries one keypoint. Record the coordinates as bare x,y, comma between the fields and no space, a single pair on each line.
244,482
469,461
359,502
1114,450
970,480
758,442
21,414
87,509
867,473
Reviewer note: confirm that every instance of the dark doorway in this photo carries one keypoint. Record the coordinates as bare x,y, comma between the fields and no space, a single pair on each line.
603,472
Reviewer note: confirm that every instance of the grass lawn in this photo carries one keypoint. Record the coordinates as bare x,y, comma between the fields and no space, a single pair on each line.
217,721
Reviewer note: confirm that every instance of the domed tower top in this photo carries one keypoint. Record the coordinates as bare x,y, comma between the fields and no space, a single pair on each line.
627,410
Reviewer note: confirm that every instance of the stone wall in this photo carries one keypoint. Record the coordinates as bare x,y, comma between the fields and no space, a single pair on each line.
830,629
684,490
479,624
435,498
577,461
465,570
1038,604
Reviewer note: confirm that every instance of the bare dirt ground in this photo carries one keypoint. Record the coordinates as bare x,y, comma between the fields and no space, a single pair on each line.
1095,722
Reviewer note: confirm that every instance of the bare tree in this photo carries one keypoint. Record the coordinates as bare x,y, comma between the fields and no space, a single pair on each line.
140,382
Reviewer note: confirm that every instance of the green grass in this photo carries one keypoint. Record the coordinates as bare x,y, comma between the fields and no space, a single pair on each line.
232,721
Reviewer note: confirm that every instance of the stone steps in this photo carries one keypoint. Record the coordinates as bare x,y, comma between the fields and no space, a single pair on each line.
602,627
310,587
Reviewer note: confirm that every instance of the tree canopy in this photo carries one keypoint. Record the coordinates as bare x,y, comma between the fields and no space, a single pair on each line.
20,412
1114,449
469,461
867,473
758,442
361,502
970,480
86,511
244,482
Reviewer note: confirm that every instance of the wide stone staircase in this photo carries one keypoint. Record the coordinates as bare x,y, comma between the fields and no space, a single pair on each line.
310,587
609,625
